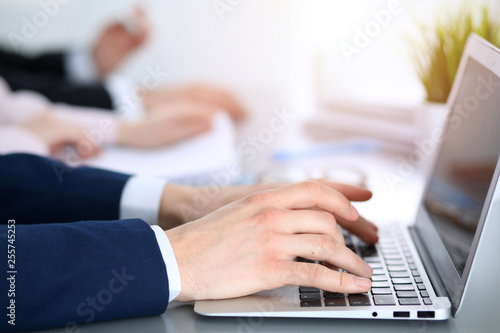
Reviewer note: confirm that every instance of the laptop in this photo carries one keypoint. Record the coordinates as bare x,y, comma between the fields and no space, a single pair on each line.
420,271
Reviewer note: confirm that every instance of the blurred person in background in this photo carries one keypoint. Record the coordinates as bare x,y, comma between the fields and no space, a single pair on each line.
85,78
32,124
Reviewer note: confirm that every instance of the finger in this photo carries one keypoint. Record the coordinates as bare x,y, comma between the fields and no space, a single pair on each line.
76,137
236,110
308,222
309,194
223,99
326,248
319,276
362,228
351,192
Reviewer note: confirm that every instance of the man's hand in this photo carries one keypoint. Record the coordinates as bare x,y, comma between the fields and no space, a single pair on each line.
117,42
183,204
167,124
250,245
57,133
203,94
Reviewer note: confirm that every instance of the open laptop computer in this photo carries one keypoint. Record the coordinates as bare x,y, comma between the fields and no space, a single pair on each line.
421,271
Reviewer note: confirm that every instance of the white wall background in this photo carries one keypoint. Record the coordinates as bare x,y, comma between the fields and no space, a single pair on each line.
273,53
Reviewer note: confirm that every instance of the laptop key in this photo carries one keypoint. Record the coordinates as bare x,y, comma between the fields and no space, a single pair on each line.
359,300
390,253
335,302
392,268
368,250
409,301
299,259
401,281
389,249
308,304
406,294
392,257
403,287
418,279
415,273
399,274
348,240
328,294
412,266
427,301
381,291
310,296
376,265
421,286
379,278
372,259
424,294
308,290
384,300
392,262
380,284
378,271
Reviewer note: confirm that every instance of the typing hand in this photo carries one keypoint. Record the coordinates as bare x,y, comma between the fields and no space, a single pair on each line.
182,204
213,96
250,245
57,133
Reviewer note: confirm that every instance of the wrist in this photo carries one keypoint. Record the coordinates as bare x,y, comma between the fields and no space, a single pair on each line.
149,99
175,206
125,133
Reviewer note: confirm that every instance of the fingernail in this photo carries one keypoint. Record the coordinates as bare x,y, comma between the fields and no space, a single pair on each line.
354,211
363,283
368,269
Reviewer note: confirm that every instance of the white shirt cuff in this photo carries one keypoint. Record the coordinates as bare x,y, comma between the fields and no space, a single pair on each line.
80,66
124,97
174,276
141,198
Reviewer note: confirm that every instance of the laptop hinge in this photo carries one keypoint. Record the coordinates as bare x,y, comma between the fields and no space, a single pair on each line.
432,272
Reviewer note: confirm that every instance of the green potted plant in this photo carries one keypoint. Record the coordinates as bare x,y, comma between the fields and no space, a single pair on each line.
437,57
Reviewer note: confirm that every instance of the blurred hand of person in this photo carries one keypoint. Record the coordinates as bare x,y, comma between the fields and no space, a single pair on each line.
201,93
250,245
183,204
117,42
167,124
57,133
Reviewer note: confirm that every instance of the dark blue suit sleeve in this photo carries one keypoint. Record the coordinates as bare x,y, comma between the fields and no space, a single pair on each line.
35,189
68,274
46,74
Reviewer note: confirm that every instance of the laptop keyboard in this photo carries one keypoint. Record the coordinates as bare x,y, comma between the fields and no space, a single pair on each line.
396,279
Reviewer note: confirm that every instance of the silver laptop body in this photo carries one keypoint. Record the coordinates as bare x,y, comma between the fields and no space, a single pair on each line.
421,271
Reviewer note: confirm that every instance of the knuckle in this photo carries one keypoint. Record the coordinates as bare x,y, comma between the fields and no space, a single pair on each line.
313,187
329,218
327,243
315,273
257,198
343,280
270,215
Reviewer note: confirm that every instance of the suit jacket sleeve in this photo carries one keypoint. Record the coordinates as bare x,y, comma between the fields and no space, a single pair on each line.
35,189
72,273
46,74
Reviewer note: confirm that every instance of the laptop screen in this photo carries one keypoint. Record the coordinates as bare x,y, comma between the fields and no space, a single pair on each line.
466,163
